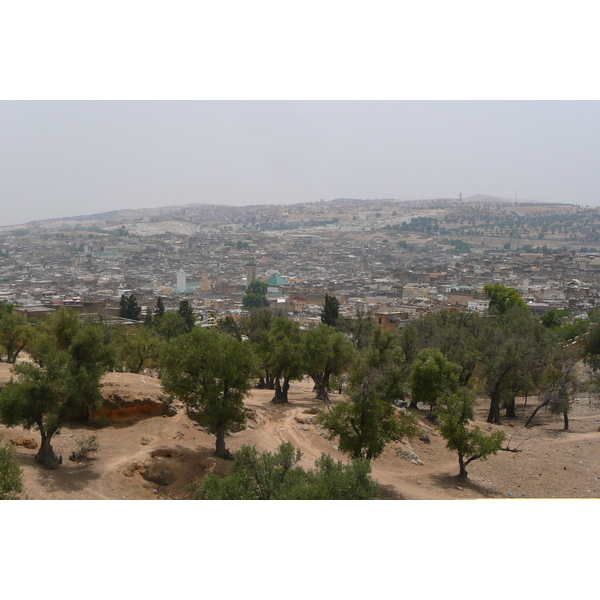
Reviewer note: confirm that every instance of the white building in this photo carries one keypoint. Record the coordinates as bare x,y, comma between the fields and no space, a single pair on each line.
181,281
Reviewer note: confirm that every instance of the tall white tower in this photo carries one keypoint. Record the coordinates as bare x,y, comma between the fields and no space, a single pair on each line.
181,281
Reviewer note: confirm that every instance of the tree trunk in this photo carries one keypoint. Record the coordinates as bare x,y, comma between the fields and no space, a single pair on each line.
431,415
566,419
462,466
320,388
413,404
494,414
281,391
270,380
221,451
45,455
534,413
261,383
510,409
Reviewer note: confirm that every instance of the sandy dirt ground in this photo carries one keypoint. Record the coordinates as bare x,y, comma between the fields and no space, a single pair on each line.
159,457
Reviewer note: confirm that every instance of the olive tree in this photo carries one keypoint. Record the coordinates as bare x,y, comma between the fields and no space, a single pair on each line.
283,349
431,376
64,380
454,411
211,372
327,353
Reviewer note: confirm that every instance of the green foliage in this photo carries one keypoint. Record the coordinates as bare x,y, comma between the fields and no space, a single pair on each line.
459,335
228,325
453,412
186,312
513,358
255,326
327,353
210,371
368,419
137,349
129,308
69,359
552,319
148,318
282,346
460,246
277,476
569,331
502,298
11,476
170,325
14,335
159,309
360,327
256,295
591,348
433,375
367,422
331,311
5,308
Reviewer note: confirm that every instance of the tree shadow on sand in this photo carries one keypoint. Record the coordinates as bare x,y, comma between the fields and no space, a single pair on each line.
389,492
451,482
68,477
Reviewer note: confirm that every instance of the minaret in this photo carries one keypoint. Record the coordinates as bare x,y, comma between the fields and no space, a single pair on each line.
250,272
205,283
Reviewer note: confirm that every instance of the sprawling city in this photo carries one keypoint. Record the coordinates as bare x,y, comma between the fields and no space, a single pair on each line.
375,273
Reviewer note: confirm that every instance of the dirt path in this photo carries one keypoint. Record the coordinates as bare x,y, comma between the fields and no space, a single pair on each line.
552,463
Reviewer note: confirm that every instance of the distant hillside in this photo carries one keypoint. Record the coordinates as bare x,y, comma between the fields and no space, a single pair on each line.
486,198
200,213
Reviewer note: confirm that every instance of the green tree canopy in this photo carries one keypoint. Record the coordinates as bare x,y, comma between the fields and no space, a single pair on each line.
502,298
431,376
255,326
331,311
210,371
186,312
64,380
454,411
512,360
360,327
283,353
159,309
129,308
170,325
14,335
148,318
256,295
552,318
229,325
137,349
368,419
327,353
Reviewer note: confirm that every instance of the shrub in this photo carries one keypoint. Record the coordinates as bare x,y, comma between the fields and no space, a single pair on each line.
11,477
85,447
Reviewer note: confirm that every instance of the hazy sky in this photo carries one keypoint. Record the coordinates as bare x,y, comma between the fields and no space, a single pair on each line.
66,158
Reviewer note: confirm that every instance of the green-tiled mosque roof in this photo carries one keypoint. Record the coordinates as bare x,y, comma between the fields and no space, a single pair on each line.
276,280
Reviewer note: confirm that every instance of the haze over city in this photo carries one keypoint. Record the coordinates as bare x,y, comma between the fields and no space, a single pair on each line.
67,158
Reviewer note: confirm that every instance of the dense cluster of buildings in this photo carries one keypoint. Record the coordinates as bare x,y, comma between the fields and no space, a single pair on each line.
354,251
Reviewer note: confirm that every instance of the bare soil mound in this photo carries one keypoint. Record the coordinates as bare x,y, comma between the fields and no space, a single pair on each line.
159,457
